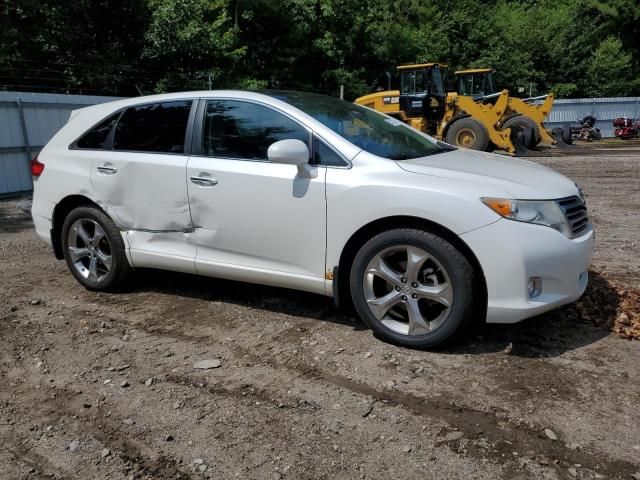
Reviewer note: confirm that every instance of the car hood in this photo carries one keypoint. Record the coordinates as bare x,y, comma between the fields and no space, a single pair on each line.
519,178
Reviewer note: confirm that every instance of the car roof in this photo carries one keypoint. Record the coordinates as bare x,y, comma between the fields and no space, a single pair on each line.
163,97
91,115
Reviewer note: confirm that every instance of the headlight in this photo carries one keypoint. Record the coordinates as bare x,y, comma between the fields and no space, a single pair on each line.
540,212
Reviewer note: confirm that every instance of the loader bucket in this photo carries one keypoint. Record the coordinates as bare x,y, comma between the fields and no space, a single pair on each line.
562,136
521,137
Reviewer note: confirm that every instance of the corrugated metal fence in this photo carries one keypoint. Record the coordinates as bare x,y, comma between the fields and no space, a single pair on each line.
27,122
604,109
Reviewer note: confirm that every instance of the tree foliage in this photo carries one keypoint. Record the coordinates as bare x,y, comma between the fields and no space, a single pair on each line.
123,47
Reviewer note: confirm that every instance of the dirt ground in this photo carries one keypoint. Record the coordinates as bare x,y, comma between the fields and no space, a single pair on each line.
104,386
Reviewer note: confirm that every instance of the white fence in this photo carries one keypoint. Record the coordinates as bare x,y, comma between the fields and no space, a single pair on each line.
27,122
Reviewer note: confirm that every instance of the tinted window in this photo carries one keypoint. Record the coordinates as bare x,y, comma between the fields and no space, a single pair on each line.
324,155
234,129
97,136
158,127
372,131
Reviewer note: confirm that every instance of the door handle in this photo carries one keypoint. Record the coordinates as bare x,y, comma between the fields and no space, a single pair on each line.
204,181
106,169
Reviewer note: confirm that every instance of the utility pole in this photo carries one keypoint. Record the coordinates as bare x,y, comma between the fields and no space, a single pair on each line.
341,92
209,81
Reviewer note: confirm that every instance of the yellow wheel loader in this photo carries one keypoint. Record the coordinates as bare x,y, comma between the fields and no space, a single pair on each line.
480,122
522,113
423,103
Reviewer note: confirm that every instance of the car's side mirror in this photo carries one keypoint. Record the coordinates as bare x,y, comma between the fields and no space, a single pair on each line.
290,152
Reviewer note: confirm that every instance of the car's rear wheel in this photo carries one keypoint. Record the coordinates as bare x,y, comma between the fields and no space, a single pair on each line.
412,287
94,250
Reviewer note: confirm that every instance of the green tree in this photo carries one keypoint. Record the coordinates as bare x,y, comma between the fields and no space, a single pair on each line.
191,39
609,72
574,47
81,46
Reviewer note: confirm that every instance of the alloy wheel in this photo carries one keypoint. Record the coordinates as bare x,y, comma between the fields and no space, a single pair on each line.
408,290
89,249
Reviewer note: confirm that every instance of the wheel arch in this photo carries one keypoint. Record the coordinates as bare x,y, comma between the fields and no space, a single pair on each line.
342,294
60,212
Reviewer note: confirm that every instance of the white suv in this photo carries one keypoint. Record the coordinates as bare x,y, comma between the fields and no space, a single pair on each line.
313,193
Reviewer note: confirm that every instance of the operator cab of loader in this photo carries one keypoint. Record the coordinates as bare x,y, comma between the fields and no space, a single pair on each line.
423,93
476,83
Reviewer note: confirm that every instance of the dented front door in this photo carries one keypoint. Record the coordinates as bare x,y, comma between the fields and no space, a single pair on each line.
255,220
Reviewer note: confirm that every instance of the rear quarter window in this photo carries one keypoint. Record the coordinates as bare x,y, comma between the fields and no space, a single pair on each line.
97,136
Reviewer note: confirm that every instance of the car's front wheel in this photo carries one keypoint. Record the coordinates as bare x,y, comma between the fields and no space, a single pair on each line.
412,287
94,250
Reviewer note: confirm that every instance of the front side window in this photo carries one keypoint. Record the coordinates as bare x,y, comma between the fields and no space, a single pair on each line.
97,136
235,129
157,127
325,155
367,129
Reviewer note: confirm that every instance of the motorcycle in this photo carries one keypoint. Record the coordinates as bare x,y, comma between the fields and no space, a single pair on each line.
586,132
626,128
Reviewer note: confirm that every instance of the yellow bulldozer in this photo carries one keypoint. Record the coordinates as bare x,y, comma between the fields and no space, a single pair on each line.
475,116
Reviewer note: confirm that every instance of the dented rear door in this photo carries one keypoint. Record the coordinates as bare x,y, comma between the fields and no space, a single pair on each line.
141,183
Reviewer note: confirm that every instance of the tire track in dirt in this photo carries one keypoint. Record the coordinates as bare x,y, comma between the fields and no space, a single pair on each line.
474,423
38,463
64,406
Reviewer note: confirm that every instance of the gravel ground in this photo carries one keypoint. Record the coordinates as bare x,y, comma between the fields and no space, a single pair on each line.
104,386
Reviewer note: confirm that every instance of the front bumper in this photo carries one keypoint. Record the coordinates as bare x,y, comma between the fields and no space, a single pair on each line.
511,252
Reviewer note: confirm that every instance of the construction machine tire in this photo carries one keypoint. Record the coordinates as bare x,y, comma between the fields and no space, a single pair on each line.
520,122
468,133
567,136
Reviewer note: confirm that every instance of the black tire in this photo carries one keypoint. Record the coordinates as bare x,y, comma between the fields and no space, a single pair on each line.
119,270
460,275
520,122
468,133
596,135
567,134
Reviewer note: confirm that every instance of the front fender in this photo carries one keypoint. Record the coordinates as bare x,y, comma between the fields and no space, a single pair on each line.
359,196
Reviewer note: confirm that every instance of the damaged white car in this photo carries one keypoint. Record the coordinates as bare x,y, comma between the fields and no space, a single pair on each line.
313,193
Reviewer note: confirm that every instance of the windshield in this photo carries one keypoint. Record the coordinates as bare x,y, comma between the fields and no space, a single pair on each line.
412,81
476,84
437,83
373,132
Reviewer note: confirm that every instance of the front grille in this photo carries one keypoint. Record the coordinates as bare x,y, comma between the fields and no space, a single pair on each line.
575,212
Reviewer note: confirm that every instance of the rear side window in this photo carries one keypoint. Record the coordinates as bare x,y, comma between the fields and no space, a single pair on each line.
244,130
157,127
97,136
